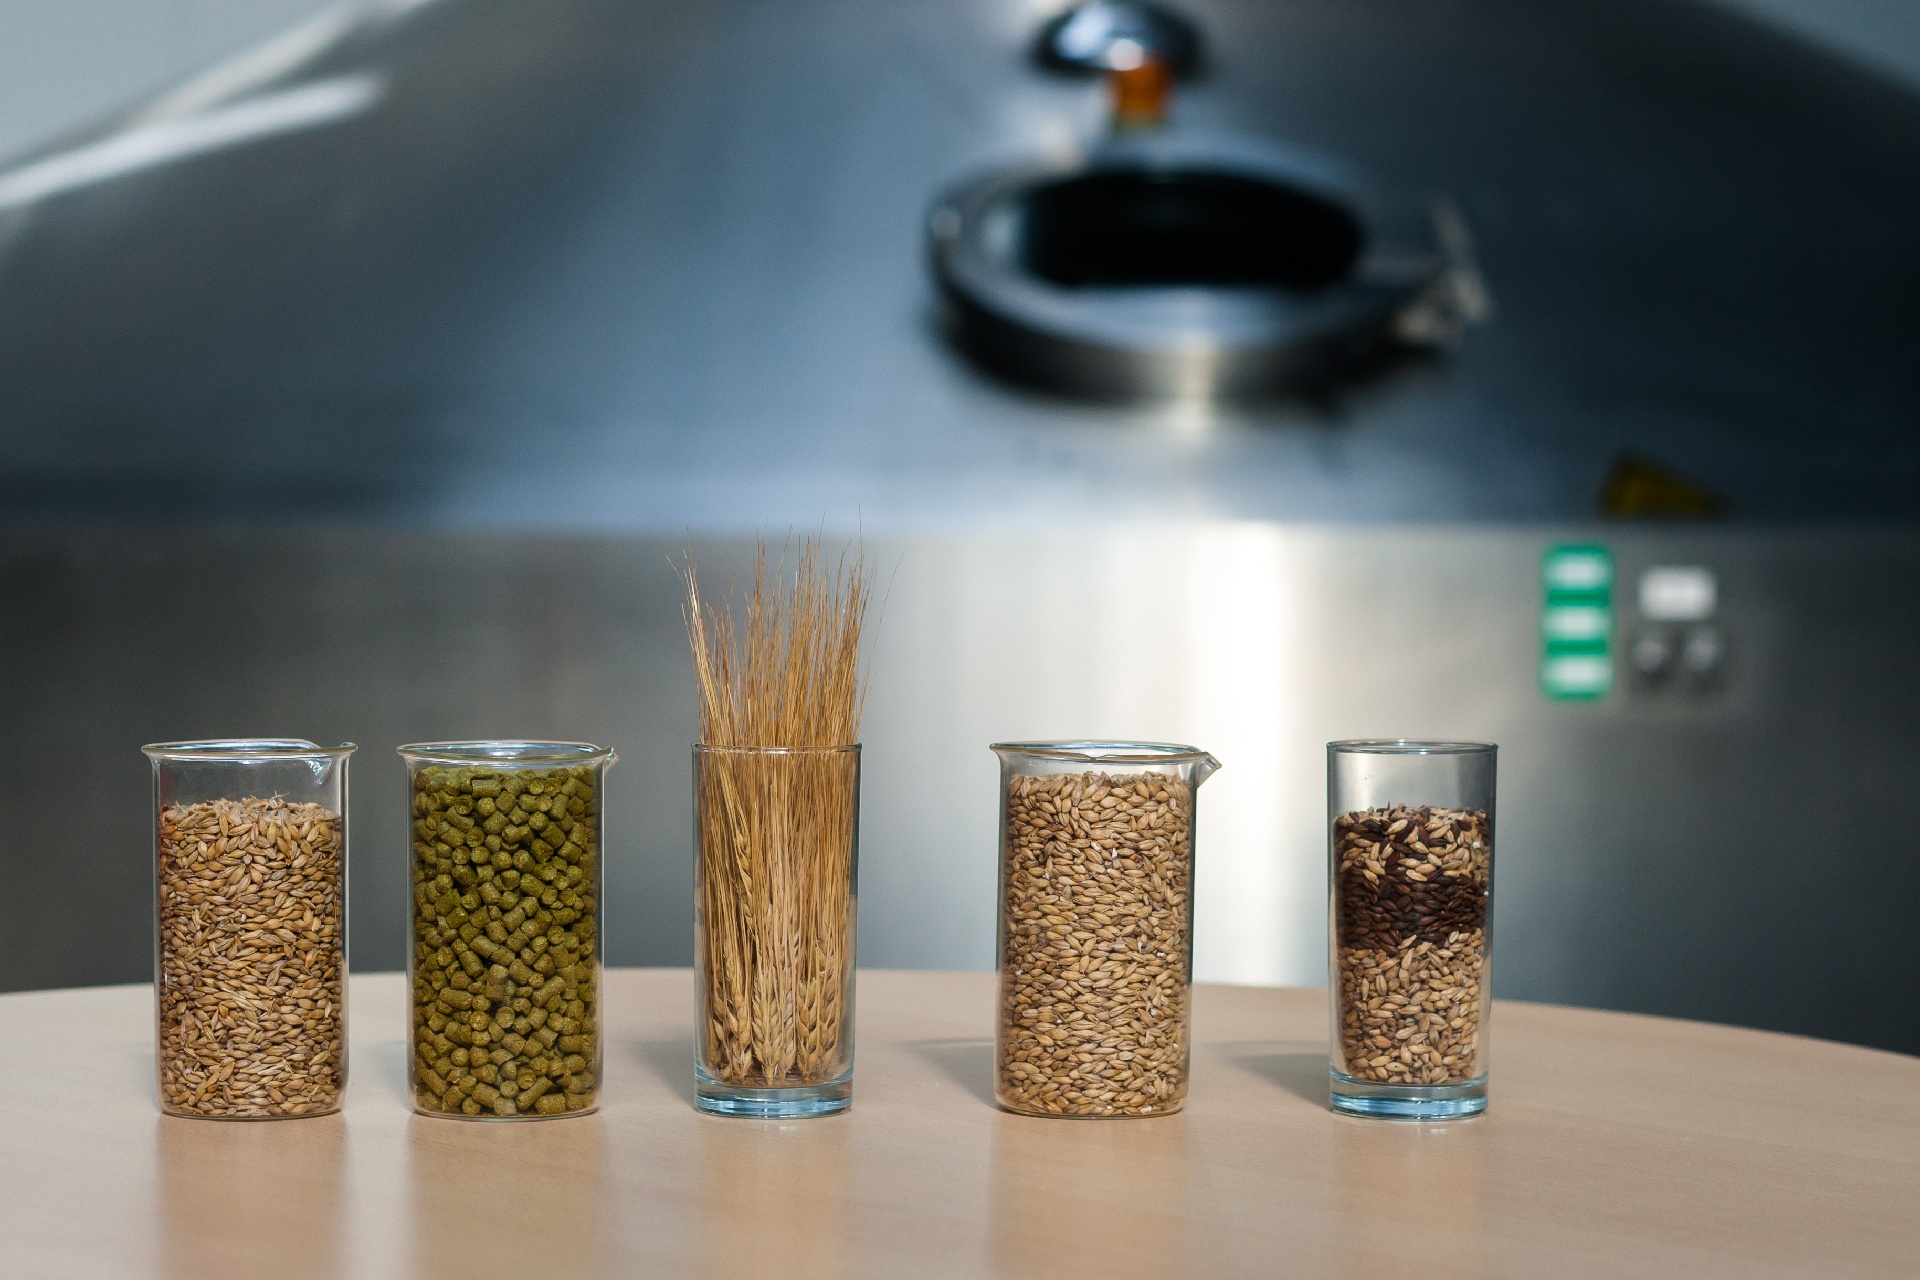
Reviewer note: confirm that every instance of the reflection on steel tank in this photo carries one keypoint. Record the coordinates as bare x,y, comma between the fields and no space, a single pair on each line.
345,382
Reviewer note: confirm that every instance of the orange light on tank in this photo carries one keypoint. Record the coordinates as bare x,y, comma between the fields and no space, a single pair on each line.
1141,85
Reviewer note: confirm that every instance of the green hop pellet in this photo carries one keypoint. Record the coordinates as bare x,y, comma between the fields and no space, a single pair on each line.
505,971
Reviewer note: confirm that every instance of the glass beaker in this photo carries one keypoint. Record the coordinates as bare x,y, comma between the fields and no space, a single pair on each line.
1096,926
1410,841
776,853
250,943
505,955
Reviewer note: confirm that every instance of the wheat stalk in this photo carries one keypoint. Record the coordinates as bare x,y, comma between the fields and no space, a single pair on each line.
777,812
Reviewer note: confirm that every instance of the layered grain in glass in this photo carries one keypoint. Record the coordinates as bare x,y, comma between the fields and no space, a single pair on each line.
1411,876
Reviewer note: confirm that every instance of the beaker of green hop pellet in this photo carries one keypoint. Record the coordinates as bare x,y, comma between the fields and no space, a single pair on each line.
250,897
505,960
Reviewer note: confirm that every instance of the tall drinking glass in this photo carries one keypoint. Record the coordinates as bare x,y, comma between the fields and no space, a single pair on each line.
776,851
1410,916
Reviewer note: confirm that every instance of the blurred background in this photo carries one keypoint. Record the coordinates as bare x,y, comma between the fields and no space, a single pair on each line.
1247,373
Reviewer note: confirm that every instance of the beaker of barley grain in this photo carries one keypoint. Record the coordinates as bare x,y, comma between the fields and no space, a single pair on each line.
1411,882
1096,926
250,900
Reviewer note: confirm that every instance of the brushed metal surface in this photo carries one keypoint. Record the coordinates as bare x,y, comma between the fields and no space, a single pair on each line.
668,256
385,429
1739,856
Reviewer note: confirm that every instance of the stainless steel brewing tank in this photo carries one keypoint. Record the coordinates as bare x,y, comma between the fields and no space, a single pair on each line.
678,249
453,322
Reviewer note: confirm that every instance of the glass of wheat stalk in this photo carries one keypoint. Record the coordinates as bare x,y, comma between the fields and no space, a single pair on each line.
776,793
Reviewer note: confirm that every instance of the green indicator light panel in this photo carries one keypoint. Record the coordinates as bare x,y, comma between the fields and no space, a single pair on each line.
1576,622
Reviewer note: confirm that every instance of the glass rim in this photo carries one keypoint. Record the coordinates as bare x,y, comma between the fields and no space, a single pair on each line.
1103,751
712,749
485,752
245,750
1411,747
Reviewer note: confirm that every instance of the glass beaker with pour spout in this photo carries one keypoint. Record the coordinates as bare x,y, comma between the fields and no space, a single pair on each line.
250,900
506,958
1096,926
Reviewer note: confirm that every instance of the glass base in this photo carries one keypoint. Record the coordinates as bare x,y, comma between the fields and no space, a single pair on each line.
793,1102
486,1117
202,1115
1170,1109
1407,1101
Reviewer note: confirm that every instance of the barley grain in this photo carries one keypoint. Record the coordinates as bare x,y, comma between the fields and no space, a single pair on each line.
1411,942
248,986
1095,958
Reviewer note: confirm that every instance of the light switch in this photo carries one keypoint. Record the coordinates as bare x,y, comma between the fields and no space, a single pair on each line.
1678,593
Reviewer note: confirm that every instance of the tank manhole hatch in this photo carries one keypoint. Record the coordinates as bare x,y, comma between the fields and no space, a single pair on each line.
1149,271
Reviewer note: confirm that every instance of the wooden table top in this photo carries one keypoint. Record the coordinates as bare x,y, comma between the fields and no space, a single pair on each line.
1614,1146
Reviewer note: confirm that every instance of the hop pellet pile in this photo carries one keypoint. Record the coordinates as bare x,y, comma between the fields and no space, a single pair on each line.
1410,895
1094,972
505,984
252,959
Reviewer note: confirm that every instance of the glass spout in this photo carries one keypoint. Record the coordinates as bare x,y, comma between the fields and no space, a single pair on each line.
1193,764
